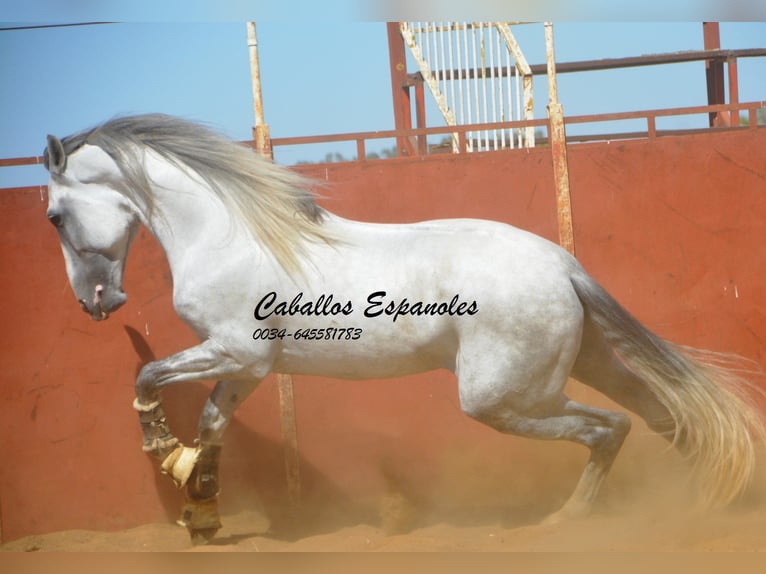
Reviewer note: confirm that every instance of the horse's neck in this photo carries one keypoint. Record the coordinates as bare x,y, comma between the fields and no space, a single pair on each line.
187,218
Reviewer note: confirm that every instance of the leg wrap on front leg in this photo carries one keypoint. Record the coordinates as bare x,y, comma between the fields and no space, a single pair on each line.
158,440
178,461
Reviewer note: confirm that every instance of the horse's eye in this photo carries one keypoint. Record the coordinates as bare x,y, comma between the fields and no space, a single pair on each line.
55,219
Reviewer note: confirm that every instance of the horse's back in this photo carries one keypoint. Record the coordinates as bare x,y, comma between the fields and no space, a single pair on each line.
520,282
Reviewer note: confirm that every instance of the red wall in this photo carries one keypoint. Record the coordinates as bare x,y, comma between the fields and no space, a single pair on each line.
672,227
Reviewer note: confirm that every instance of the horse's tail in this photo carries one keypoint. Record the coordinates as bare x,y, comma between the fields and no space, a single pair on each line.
717,422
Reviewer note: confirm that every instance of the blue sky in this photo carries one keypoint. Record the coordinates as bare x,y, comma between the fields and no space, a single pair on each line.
319,77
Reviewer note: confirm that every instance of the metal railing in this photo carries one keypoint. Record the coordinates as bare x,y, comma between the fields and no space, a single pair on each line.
649,117
722,116
714,59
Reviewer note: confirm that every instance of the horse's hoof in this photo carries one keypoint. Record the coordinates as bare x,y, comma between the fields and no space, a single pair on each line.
201,536
201,520
566,514
553,519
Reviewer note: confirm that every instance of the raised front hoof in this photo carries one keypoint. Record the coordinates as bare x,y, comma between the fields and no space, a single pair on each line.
201,536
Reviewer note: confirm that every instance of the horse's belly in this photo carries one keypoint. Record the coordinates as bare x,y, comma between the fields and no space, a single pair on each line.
365,357
345,368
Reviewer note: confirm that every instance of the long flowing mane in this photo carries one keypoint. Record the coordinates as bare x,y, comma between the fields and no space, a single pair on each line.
272,201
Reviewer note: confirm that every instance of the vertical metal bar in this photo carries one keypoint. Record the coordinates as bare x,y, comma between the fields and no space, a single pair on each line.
522,141
485,114
419,89
420,34
420,107
436,63
492,87
399,91
260,129
284,382
460,75
451,64
436,51
288,420
731,66
427,53
509,88
553,96
445,84
558,149
501,87
714,74
255,73
361,153
450,79
475,84
529,109
441,53
466,68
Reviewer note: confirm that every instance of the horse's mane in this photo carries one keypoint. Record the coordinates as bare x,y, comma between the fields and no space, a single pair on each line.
272,201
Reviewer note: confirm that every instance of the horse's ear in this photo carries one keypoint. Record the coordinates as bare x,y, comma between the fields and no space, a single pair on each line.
55,156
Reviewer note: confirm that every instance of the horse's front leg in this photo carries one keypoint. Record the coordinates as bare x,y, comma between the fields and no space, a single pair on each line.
200,514
203,362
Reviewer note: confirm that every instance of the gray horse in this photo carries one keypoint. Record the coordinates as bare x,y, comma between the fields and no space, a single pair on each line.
271,282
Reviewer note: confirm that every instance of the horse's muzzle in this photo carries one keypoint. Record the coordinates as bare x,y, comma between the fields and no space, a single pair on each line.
96,313
100,307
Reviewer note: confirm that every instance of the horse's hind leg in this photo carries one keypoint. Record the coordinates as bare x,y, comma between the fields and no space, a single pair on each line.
605,435
200,513
603,432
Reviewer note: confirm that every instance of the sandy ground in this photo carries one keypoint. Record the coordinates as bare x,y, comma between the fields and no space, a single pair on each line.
635,530
741,532
646,505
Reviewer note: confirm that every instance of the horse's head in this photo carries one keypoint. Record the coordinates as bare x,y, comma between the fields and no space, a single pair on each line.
95,222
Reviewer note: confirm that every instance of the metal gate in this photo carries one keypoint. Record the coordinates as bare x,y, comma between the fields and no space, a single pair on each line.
476,73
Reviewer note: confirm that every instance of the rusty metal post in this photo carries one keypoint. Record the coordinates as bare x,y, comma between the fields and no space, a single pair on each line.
399,88
261,129
714,74
420,115
284,382
289,432
558,142
731,66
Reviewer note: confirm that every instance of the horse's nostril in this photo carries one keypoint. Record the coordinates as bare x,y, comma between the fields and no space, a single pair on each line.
97,295
83,305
